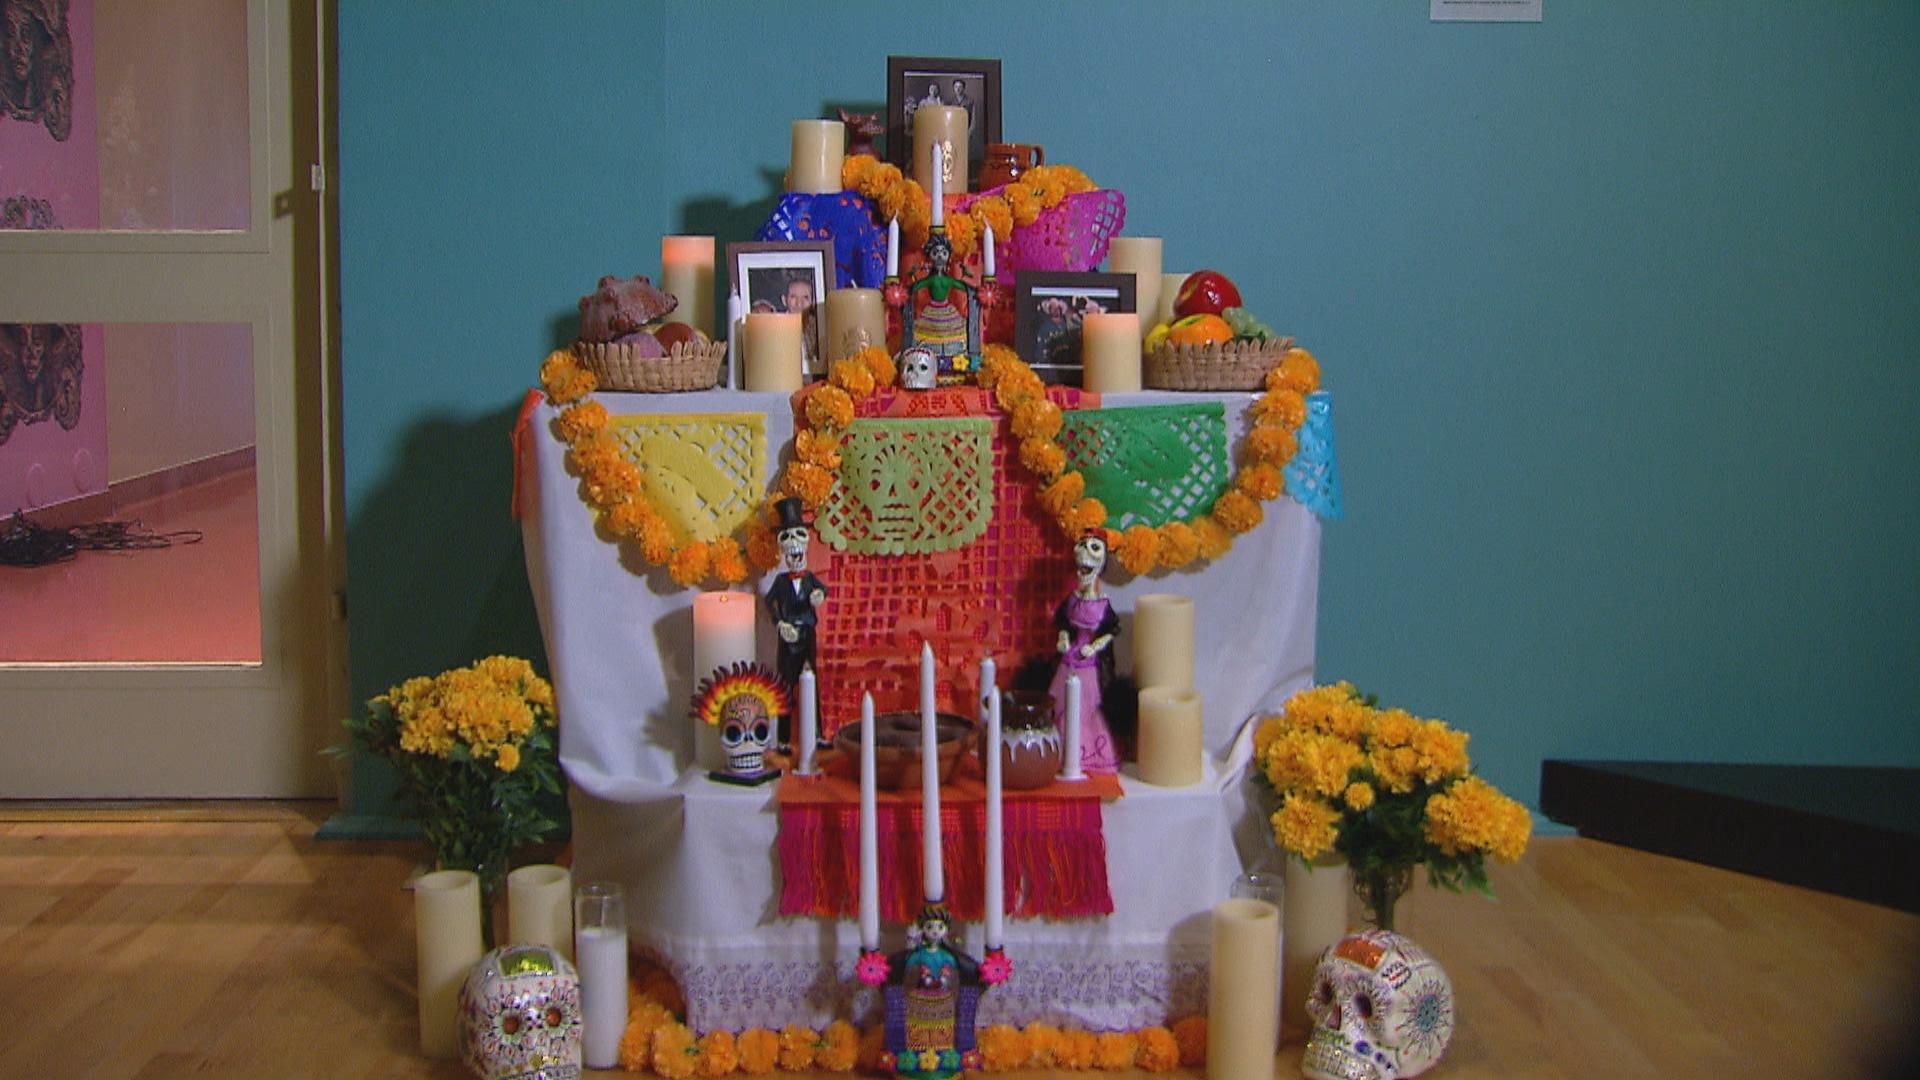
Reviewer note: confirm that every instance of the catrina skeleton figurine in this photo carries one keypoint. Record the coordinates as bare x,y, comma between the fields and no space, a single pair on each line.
1085,625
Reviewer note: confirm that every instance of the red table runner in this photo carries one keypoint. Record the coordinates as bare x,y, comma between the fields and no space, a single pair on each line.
1055,852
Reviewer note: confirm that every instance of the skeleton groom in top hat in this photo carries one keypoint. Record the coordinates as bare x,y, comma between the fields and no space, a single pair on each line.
794,596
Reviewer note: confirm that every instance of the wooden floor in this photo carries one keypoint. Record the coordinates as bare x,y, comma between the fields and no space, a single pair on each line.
223,940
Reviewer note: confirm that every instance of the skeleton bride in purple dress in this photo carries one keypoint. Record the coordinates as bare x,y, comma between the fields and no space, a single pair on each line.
1086,623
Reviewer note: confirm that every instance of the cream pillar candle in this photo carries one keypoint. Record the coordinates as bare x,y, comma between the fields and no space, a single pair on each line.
1171,745
1163,641
774,361
1241,1011
944,126
1316,917
1110,352
933,874
723,635
856,318
1139,256
819,149
1169,292
540,908
869,833
686,271
446,917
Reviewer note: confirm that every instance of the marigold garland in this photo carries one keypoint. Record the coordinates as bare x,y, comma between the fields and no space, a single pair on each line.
1018,204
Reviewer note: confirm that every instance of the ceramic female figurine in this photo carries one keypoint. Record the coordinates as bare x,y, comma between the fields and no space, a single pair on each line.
1086,625
931,1003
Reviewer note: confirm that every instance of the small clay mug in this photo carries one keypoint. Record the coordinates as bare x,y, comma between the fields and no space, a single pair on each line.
1030,747
1006,161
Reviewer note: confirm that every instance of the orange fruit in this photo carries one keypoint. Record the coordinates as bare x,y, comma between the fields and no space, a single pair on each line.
1200,330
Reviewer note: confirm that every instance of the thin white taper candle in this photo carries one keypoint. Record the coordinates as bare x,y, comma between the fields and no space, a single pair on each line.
893,248
1070,769
809,721
933,877
996,885
989,251
939,194
989,680
869,833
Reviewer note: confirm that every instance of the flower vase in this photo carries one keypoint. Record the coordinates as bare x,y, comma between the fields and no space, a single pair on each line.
1313,917
1379,891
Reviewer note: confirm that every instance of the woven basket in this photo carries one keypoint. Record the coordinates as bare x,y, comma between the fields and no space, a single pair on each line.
1236,365
685,367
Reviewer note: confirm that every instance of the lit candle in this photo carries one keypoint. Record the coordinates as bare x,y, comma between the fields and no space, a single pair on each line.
989,254
723,635
1163,641
1070,768
1170,736
540,908
686,271
939,195
809,721
774,362
856,318
944,126
996,886
893,247
1110,352
933,876
819,149
1139,256
446,927
1243,1007
869,833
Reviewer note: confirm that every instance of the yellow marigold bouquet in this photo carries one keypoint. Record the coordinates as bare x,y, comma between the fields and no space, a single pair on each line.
477,753
1387,790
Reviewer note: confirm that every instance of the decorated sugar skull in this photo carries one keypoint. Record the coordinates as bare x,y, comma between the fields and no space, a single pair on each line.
919,369
520,1016
744,702
1382,1009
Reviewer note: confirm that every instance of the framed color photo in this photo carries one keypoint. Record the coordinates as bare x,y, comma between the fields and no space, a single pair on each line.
1047,310
913,81
785,276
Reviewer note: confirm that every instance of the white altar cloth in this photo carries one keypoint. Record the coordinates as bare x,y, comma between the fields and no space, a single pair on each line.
699,860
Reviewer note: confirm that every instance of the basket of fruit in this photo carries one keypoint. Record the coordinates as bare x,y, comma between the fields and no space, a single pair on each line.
627,344
1212,343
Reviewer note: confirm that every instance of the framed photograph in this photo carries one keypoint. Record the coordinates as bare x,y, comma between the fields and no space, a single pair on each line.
1048,307
913,81
784,275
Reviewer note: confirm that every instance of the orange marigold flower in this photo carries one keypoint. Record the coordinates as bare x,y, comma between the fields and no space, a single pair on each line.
964,234
811,483
1271,445
1442,751
1191,1035
840,1047
1159,1052
625,520
759,1051
675,1054
719,1055
1178,545
580,419
1260,482
1306,826
1213,537
729,565
1086,514
1285,408
1024,204
1139,549
1076,1049
993,211
1043,458
1297,371
1043,1046
1115,1050
796,1048
689,564
763,550
636,1045
656,540
829,407
564,380
1037,418
1237,512
1060,496
879,364
817,447
1003,1048
1359,795
852,376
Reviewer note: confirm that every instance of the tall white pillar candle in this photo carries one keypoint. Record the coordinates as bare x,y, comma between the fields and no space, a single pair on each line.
540,908
775,361
686,271
723,635
1110,352
819,149
1070,767
1242,1013
600,942
1163,641
446,917
869,833
1139,256
809,727
1170,736
933,875
996,885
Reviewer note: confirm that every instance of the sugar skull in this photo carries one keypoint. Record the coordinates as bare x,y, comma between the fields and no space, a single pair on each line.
520,1016
1382,1010
744,702
919,370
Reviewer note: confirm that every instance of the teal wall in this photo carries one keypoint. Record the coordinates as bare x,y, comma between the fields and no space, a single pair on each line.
1619,311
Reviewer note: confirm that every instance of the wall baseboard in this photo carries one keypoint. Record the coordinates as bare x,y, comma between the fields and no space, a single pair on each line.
106,504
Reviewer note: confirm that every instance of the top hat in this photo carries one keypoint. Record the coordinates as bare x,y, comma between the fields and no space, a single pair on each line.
791,511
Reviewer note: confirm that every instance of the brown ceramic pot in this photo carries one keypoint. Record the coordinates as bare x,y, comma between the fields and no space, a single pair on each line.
1006,161
1030,746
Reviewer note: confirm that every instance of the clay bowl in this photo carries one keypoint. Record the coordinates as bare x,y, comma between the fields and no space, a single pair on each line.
896,749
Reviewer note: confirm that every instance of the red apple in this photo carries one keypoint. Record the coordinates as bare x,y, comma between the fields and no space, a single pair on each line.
1205,292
